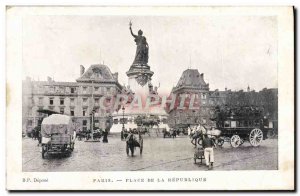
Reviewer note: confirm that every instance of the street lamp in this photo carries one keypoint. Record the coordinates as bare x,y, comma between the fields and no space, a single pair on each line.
194,116
175,119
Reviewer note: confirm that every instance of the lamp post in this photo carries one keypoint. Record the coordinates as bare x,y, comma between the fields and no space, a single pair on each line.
123,109
194,116
175,119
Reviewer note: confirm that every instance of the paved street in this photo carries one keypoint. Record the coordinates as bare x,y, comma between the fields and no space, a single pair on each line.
158,154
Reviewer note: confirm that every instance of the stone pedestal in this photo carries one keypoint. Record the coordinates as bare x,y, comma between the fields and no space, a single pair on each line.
138,78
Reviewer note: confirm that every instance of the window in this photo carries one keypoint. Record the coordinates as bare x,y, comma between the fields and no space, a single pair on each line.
61,89
72,90
51,88
61,110
84,101
226,124
97,101
96,88
51,101
84,112
72,112
84,89
233,124
72,100
108,89
62,101
41,100
29,122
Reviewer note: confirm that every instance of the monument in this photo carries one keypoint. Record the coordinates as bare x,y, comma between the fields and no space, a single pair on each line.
139,85
139,73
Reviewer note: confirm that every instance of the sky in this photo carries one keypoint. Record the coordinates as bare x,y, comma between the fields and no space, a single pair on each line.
231,51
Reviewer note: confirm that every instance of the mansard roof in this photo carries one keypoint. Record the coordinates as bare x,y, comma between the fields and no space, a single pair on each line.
192,79
97,73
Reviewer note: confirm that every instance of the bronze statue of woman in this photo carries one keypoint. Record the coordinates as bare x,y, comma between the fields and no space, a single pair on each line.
142,48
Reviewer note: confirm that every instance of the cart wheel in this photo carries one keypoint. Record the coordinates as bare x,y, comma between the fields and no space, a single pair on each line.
127,148
141,146
235,141
255,137
220,142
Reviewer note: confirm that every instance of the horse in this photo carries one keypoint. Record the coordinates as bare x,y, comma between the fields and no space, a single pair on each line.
199,131
174,133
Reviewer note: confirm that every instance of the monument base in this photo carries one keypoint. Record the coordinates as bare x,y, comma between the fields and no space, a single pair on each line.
141,73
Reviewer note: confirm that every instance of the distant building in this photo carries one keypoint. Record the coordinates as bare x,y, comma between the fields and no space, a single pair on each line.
191,81
76,99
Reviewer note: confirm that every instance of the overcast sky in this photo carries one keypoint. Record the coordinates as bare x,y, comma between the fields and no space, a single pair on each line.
231,51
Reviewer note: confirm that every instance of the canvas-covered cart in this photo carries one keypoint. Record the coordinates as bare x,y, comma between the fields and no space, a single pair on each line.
58,135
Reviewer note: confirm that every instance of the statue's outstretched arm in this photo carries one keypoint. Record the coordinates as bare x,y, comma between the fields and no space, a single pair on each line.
132,33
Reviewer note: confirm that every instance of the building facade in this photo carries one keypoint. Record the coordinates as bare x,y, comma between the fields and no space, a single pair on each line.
192,82
77,99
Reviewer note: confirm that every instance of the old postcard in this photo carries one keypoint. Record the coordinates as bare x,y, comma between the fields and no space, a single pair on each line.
150,98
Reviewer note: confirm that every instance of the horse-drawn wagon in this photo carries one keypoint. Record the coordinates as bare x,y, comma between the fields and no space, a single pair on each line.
242,124
58,135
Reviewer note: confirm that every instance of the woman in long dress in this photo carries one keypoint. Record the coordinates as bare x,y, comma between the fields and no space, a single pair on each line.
142,49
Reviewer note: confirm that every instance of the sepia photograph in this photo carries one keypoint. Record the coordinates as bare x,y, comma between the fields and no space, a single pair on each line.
157,96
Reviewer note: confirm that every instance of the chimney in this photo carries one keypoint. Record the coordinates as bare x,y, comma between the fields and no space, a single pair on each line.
49,79
81,70
115,76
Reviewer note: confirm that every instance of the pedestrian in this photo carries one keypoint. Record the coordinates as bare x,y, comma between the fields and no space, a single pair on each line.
122,134
125,134
208,145
105,133
40,137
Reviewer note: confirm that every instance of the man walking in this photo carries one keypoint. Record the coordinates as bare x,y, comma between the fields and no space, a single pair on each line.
208,145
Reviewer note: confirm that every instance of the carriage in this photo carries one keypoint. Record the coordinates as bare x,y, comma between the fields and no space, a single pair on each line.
169,133
58,135
242,124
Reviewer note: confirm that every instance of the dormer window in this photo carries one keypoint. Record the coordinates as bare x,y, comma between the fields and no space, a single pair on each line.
84,89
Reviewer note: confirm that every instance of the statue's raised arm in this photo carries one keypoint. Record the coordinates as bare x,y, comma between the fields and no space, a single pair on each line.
132,32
